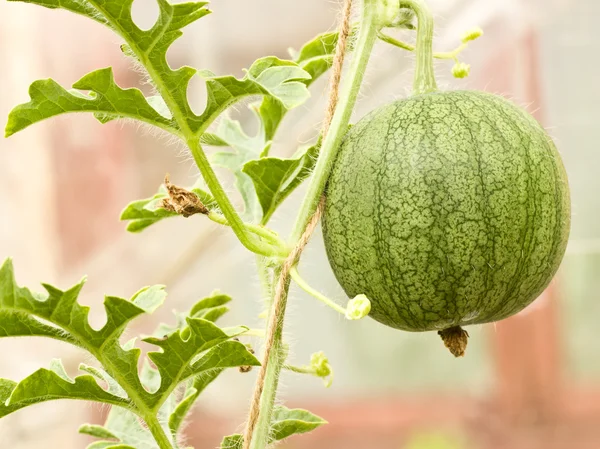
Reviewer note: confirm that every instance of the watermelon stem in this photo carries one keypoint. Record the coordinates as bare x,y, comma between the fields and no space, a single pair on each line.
339,124
460,70
311,291
453,54
424,74
319,367
456,340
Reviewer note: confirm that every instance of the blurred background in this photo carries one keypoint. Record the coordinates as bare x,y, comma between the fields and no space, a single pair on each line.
532,381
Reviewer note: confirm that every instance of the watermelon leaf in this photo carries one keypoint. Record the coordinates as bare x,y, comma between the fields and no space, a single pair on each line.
263,186
274,179
284,423
287,422
106,101
193,391
51,384
316,56
193,354
122,430
283,82
244,148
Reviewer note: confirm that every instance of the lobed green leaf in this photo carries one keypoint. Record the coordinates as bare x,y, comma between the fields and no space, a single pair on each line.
52,384
177,361
68,319
107,101
195,388
287,422
283,82
198,351
316,56
244,149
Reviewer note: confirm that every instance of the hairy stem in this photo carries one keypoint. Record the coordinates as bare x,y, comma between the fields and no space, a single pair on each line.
266,279
159,434
436,55
276,360
233,219
277,246
424,74
259,420
339,124
311,291
301,369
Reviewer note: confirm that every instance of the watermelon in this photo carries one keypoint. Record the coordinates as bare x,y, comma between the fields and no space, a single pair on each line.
446,209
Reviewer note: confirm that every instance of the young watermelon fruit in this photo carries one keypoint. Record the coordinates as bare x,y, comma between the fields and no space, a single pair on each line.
446,209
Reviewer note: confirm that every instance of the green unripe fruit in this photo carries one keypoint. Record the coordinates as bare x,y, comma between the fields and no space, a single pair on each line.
446,209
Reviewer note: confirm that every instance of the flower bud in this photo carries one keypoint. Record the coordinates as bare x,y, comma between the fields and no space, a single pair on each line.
471,35
320,363
461,70
358,307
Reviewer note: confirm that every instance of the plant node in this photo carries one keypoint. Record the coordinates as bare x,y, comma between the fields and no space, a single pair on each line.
456,340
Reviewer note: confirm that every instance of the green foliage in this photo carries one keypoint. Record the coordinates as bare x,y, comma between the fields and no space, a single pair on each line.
192,354
151,404
150,47
274,179
284,423
316,56
281,81
264,181
106,101
122,430
245,149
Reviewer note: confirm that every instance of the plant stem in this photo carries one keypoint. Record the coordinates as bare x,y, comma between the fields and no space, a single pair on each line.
278,246
301,369
266,281
159,434
424,74
339,125
436,55
260,439
215,187
347,98
311,291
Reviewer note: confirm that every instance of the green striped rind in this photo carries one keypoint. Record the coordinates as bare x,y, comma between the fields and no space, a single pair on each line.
446,209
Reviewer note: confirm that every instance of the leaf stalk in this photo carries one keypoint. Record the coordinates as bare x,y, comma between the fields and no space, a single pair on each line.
424,81
339,124
159,434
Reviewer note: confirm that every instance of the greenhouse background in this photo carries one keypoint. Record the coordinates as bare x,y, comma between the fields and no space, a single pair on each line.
529,382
